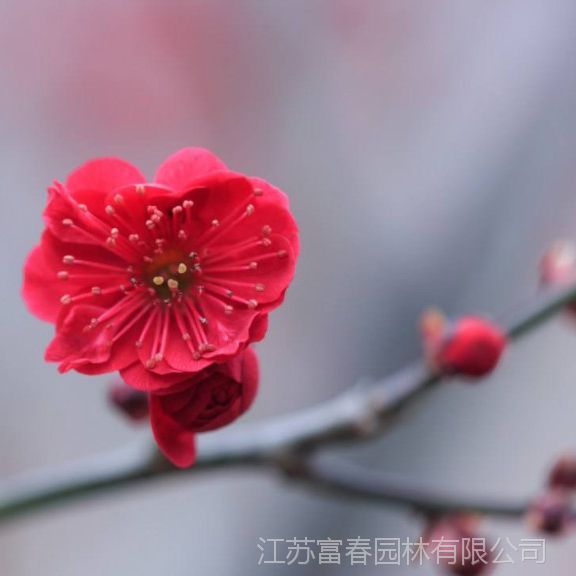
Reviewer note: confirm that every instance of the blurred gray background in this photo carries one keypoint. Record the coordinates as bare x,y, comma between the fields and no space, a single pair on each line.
428,149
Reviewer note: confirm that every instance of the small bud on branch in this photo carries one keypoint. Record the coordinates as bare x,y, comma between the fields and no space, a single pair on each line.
470,346
551,514
563,474
458,555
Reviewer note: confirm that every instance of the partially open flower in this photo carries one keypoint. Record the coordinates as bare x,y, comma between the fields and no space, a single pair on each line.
470,346
174,274
550,513
454,543
199,402
130,402
563,474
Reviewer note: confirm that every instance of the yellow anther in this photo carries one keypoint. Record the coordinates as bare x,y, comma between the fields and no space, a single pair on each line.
172,284
158,280
182,268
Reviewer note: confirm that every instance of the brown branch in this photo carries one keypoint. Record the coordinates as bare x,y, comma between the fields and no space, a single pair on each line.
362,412
339,478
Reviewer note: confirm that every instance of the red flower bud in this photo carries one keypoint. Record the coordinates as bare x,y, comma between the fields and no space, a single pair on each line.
130,402
563,474
191,403
469,347
558,264
550,513
558,268
455,545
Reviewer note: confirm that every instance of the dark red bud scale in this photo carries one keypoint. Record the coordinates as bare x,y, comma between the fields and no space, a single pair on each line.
130,402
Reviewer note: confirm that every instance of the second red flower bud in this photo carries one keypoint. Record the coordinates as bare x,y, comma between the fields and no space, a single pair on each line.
470,346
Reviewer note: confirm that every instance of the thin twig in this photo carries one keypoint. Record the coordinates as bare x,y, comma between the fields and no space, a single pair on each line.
359,413
335,477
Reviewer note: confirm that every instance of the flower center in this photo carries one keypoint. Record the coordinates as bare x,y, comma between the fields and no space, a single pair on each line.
171,273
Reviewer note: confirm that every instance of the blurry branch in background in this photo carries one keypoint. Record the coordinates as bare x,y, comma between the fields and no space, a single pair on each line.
340,478
286,444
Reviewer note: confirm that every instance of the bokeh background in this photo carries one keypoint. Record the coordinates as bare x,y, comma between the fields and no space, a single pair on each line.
429,152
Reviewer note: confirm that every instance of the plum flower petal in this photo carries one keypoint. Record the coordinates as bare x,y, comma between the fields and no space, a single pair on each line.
103,175
176,443
42,296
179,170
175,275
93,180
